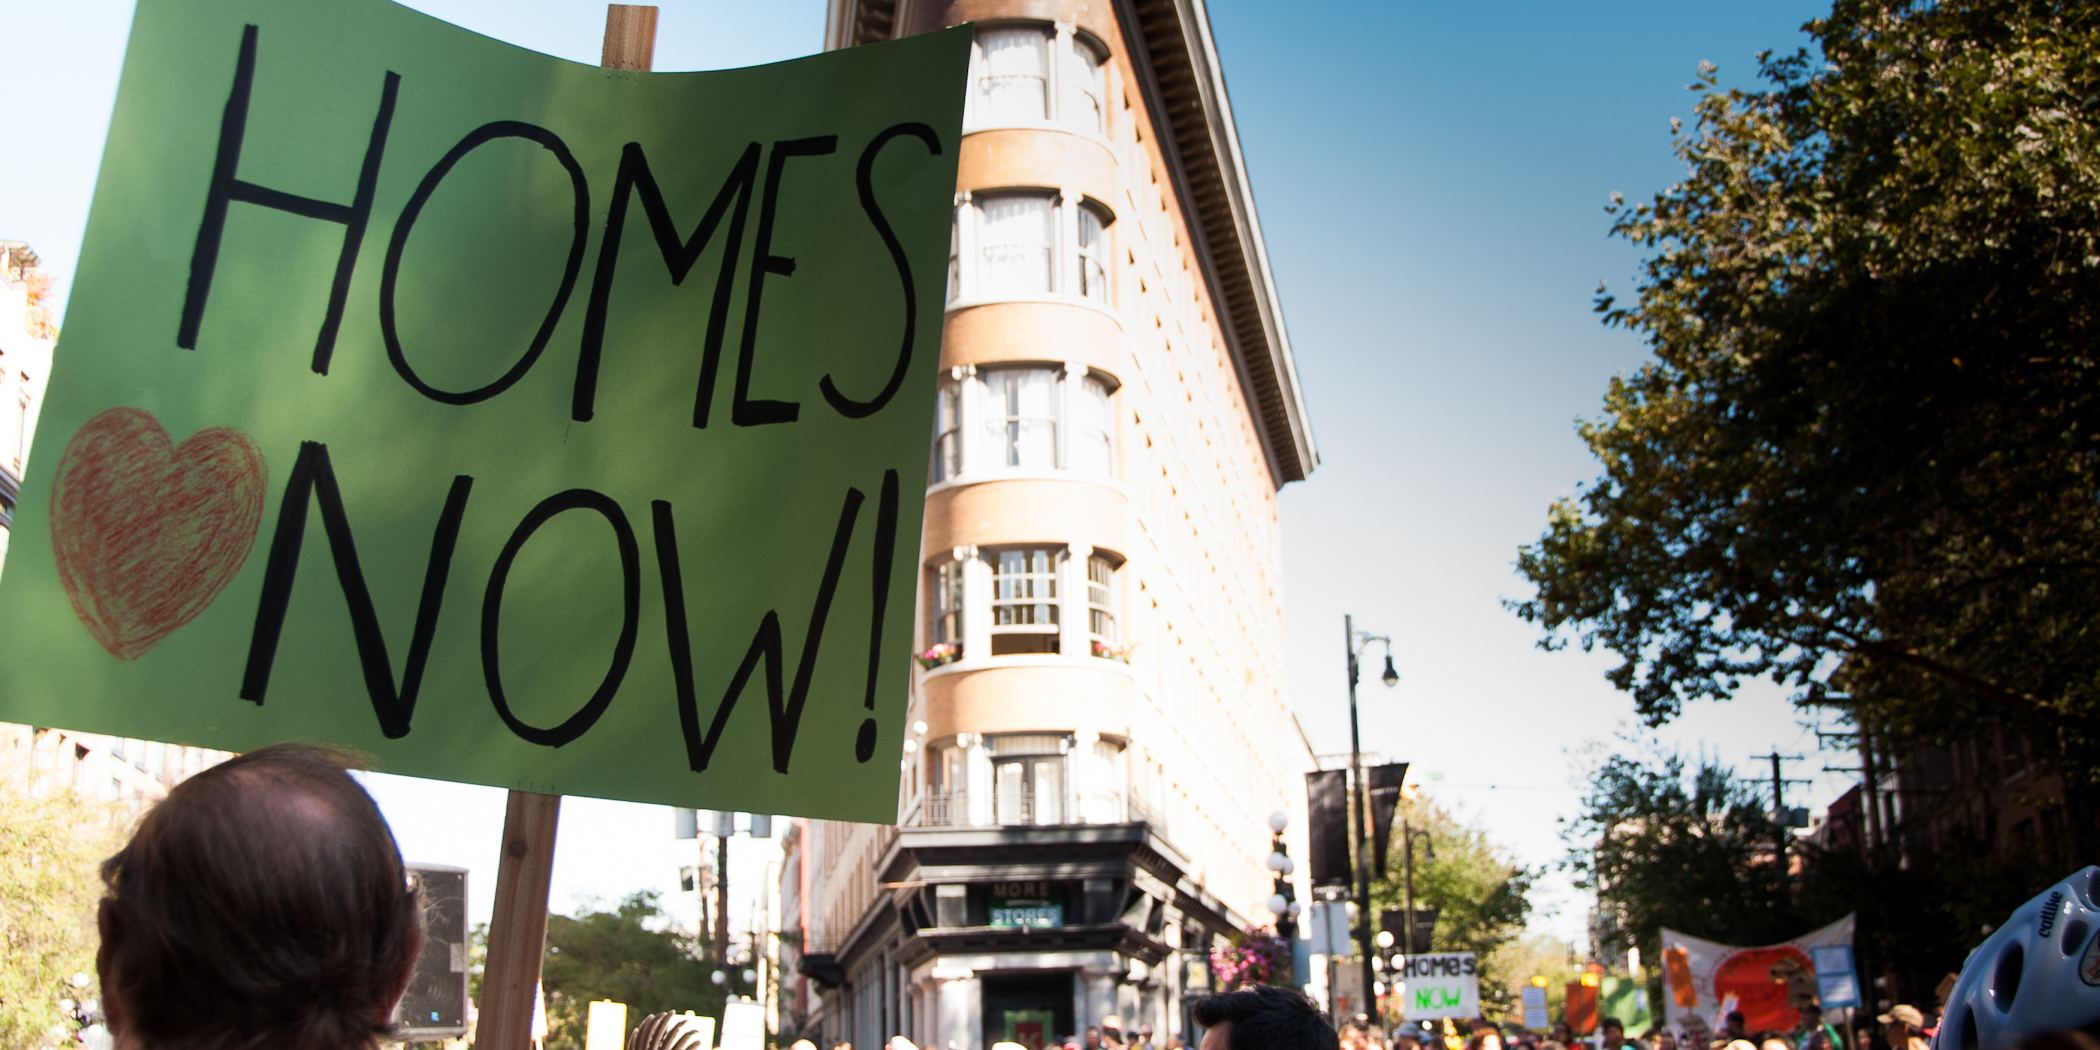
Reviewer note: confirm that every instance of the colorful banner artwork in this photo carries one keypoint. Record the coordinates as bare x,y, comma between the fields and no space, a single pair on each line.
1703,982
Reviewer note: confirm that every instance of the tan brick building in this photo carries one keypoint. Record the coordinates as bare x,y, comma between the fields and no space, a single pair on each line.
1101,723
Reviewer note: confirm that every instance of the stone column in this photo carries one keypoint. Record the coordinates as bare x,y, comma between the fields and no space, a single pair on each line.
1101,996
961,1022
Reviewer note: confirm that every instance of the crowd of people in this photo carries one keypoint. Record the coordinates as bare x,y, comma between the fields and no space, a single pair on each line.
1902,1028
264,906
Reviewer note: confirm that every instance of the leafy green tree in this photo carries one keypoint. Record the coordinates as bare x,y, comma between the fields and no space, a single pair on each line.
1867,452
51,843
1664,844
1479,890
625,955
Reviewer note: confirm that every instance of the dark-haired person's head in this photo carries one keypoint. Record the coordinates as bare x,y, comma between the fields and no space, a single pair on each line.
1264,1018
262,906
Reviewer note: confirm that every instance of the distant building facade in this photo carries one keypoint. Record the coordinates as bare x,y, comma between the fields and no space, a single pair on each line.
27,334
1101,724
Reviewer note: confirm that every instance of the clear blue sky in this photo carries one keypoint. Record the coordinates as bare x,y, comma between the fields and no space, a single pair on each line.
1431,179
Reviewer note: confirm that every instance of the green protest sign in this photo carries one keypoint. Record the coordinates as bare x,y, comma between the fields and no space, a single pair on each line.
510,420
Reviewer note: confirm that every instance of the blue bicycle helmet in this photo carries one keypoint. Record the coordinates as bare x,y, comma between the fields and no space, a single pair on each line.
2039,972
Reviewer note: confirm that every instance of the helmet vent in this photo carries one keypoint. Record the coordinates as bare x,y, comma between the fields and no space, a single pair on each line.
2074,936
2005,982
1968,1030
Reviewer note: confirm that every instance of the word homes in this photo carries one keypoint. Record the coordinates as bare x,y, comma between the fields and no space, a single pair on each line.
724,225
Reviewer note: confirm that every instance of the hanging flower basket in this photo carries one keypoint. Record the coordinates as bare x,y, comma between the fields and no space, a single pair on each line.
944,653
1254,956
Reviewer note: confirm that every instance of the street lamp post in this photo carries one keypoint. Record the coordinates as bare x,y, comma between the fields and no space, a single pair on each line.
1356,642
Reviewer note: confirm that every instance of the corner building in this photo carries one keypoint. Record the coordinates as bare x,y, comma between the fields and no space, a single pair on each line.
1101,727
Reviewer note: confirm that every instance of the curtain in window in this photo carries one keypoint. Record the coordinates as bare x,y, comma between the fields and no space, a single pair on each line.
1093,253
1014,235
1083,105
1049,791
947,431
1101,598
1023,416
948,602
1010,85
1007,792
1093,432
955,254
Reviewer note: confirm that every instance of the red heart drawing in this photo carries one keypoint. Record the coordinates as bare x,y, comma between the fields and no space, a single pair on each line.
147,534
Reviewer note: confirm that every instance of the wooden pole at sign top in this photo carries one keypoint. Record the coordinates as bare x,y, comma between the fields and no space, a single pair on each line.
518,928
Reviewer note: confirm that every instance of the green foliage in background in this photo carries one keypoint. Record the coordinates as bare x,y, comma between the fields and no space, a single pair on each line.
1480,891
1867,451
1663,842
626,955
51,842
1666,842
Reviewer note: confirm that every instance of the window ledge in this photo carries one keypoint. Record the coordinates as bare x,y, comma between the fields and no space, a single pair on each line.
1058,126
969,478
1049,298
994,663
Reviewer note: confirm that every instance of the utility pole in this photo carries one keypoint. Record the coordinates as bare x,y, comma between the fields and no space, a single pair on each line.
722,828
1779,813
1353,644
1363,818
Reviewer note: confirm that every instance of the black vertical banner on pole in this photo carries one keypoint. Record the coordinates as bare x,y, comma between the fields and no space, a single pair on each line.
1327,828
1385,782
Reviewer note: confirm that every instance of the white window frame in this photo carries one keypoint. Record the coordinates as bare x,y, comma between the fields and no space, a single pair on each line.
1075,90
1028,763
1042,584
1080,273
972,433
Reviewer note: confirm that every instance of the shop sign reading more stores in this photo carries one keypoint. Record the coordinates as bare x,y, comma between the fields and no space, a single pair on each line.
585,526
1027,904
1446,984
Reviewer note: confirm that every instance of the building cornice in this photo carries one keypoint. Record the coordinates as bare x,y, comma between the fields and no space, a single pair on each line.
1169,45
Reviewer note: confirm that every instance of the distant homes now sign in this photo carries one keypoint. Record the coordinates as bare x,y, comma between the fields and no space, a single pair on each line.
510,420
1445,984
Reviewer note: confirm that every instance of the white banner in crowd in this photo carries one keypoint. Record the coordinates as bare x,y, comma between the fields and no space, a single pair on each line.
1703,982
1446,984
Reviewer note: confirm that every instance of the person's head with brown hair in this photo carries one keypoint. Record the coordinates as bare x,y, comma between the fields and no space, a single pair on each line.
262,906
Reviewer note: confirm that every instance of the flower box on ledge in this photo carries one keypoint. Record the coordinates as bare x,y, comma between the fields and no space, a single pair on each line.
944,653
1118,653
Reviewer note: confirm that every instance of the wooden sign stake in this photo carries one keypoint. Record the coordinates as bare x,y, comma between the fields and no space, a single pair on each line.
518,928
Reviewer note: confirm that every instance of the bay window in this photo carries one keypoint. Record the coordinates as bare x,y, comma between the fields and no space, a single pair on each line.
1023,418
1023,601
1032,75
1006,245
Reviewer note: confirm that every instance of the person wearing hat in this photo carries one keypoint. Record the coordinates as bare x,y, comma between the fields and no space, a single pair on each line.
1901,1028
